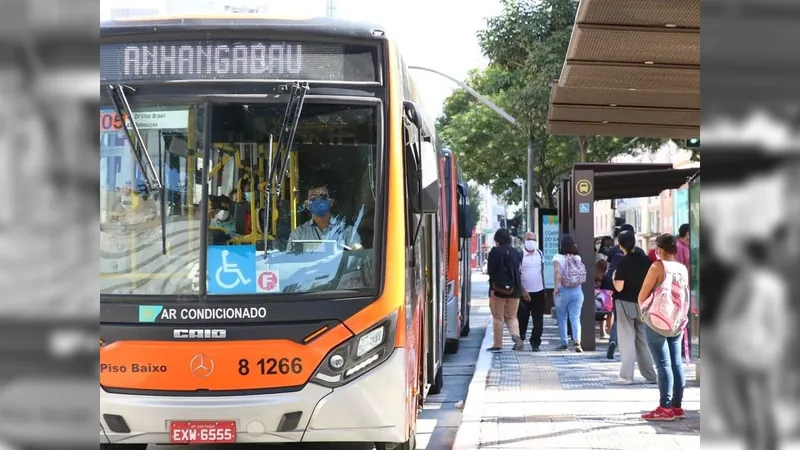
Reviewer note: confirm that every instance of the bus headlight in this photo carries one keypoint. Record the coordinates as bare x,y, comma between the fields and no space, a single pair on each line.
370,341
358,354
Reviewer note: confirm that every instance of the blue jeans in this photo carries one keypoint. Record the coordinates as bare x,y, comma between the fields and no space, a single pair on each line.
569,304
666,353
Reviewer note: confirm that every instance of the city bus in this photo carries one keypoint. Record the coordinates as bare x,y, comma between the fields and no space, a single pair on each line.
455,206
271,263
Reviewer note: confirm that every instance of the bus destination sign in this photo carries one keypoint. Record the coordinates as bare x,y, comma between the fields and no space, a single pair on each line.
239,60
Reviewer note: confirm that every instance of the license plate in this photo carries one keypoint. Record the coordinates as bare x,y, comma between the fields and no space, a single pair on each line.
203,432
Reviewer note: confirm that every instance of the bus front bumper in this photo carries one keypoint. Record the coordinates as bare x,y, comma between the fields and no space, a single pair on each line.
368,409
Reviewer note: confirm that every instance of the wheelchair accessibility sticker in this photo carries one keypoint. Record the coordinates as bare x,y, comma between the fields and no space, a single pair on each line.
231,269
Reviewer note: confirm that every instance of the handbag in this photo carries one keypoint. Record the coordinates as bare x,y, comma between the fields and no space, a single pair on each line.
631,310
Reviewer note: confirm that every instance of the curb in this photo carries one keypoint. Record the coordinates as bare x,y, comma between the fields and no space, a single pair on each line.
469,431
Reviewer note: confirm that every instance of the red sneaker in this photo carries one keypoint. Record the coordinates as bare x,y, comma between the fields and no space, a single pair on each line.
659,414
679,413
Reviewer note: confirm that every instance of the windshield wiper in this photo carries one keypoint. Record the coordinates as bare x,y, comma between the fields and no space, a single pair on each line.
117,95
279,161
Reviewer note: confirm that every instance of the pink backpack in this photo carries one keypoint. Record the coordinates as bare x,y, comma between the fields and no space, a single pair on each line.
666,310
574,272
603,300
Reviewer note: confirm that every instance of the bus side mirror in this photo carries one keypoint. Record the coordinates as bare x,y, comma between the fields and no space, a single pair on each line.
422,165
429,193
464,212
412,113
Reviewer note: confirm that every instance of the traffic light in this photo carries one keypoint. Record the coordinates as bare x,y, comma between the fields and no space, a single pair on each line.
514,226
693,143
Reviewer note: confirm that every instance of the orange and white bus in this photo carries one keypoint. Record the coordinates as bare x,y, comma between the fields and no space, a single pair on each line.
457,254
271,260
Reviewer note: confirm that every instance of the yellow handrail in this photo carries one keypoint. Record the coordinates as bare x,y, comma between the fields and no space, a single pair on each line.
294,166
275,196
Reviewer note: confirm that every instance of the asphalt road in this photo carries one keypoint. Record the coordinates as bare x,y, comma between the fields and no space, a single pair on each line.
439,421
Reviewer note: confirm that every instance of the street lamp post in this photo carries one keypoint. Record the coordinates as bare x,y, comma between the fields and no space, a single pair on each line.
521,183
489,104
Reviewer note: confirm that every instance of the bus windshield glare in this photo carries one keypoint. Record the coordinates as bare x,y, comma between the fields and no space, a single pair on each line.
312,232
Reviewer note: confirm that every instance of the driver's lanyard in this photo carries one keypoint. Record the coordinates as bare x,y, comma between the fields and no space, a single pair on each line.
325,233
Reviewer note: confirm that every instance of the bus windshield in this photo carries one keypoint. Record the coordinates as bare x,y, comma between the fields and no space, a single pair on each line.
137,254
310,230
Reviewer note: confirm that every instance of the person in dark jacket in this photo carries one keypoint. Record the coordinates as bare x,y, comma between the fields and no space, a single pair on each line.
615,255
504,289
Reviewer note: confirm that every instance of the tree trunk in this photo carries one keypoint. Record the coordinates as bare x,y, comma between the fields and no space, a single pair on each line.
582,147
545,194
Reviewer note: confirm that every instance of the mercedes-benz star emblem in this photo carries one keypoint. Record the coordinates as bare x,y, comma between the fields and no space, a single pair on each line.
201,366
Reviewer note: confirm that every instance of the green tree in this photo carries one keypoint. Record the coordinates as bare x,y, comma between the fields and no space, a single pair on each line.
475,202
526,46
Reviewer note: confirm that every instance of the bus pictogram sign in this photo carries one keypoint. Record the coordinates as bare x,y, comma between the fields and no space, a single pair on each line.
583,187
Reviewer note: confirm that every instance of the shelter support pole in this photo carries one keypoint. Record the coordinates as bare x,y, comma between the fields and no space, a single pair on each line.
582,188
531,186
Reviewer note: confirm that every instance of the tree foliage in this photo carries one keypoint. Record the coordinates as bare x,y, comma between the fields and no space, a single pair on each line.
475,202
526,46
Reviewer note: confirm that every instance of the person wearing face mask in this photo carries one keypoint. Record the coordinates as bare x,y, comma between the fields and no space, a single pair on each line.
615,255
598,255
221,216
221,227
532,293
629,276
323,225
602,247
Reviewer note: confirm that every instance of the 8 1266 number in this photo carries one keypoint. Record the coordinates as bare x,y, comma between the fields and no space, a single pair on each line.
272,366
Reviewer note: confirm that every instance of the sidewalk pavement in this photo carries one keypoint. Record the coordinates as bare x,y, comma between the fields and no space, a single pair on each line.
565,400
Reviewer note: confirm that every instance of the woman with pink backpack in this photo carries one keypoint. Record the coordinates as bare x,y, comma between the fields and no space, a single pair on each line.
569,274
664,302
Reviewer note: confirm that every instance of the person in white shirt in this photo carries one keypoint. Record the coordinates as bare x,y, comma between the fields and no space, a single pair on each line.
532,292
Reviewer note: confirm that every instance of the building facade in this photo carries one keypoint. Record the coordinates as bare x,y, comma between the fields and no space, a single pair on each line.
604,213
667,212
664,213
493,211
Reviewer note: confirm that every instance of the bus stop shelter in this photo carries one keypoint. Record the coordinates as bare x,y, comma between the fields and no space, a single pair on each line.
632,69
590,182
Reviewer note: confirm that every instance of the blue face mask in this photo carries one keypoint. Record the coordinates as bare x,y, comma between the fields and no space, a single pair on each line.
319,208
247,197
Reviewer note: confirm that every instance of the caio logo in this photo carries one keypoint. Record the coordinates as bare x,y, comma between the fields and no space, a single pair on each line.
200,333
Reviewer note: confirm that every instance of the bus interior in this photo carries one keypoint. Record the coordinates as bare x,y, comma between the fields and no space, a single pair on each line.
335,148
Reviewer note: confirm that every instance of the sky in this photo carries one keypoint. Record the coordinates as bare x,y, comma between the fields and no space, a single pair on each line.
439,34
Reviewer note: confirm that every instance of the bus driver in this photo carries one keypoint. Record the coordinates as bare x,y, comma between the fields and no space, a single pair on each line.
323,225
